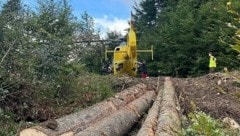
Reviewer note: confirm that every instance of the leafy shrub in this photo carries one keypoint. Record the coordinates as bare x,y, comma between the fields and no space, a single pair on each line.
8,127
74,84
92,88
202,124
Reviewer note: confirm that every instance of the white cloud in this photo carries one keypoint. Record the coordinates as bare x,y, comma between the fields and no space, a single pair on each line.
107,24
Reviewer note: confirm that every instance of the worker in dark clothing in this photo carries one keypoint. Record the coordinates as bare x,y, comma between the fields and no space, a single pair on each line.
144,70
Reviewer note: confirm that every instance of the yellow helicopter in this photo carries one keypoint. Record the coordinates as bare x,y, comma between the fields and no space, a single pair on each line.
125,55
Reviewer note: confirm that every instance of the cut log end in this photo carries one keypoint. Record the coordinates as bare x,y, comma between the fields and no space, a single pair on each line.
32,132
36,132
68,134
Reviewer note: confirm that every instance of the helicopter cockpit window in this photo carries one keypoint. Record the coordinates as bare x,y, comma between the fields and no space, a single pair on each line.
123,44
119,66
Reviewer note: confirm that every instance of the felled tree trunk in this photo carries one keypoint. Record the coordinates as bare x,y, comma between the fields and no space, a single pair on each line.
120,122
149,126
169,123
79,121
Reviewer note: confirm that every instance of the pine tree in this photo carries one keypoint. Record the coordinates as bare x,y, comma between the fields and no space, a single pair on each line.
52,30
234,11
91,53
11,10
145,15
184,33
11,25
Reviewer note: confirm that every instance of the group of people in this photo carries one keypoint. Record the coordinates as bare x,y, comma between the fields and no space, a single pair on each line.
212,66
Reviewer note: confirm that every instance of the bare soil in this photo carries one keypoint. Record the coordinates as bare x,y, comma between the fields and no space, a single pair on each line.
217,94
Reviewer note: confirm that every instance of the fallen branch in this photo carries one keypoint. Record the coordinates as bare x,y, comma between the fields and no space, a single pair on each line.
5,55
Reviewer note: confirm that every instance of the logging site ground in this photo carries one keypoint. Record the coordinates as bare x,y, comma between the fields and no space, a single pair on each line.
217,94
119,67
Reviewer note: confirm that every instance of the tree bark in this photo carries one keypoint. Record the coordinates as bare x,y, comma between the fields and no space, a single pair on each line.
79,121
121,121
169,123
149,126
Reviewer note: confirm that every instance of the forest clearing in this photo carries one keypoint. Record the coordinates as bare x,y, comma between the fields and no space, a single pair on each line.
172,70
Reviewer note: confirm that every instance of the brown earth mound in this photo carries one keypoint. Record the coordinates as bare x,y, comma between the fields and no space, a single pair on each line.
217,94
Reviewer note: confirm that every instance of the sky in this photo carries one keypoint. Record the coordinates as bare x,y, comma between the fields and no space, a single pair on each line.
109,15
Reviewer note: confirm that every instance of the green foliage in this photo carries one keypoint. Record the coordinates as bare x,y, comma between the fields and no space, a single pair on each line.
74,84
8,126
53,30
93,88
12,53
33,48
38,58
202,124
41,63
89,53
145,16
234,11
183,35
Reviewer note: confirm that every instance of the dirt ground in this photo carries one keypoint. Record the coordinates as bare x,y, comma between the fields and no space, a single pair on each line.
217,94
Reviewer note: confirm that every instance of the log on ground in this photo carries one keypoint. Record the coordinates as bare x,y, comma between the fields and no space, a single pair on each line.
79,121
149,126
169,123
121,121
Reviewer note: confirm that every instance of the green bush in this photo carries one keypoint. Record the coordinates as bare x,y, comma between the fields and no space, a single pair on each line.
92,88
202,124
74,84
8,127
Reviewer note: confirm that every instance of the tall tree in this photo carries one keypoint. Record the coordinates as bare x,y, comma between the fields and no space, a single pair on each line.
185,32
87,27
90,53
53,30
234,12
145,15
11,35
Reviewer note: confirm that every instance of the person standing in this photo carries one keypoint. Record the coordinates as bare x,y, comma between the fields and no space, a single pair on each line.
144,70
212,63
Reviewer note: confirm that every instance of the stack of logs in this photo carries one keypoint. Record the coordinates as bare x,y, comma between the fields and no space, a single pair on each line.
116,115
